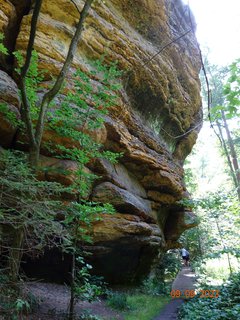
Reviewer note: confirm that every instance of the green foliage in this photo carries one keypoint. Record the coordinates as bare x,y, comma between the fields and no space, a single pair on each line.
80,115
14,302
82,112
189,180
223,111
117,300
171,264
232,90
36,204
3,49
87,287
33,81
225,307
10,115
144,307
154,286
215,236
21,304
27,203
78,119
86,315
215,271
136,305
159,283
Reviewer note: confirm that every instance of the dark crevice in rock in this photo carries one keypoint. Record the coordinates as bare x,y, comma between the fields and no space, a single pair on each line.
53,266
126,261
11,34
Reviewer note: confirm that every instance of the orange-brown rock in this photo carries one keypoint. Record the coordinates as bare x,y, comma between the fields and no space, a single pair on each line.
119,176
58,170
113,227
7,13
161,197
9,109
122,200
154,124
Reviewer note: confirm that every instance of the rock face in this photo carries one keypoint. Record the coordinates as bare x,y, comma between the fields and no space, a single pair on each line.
154,125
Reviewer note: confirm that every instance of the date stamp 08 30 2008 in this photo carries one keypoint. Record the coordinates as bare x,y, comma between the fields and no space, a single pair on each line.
191,294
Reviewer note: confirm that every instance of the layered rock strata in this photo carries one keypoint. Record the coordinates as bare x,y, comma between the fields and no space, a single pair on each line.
154,125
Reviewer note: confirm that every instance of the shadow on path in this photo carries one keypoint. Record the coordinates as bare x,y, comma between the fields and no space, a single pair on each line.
184,282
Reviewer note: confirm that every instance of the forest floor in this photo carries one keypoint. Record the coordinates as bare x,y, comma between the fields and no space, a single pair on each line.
53,300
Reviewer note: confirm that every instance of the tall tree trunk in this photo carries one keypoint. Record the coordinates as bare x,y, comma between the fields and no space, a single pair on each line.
35,138
72,297
232,152
223,245
15,254
34,153
199,242
223,142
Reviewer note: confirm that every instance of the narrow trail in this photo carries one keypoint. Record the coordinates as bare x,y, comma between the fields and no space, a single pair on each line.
53,300
184,282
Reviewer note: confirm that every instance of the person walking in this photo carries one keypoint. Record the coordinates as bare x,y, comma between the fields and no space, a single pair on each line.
185,257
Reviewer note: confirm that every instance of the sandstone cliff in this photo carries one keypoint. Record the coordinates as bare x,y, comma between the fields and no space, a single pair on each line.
155,124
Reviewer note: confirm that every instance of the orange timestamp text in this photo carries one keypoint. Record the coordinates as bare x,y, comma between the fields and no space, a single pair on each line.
191,294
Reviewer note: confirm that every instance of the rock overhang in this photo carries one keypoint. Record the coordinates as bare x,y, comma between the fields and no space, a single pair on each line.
156,121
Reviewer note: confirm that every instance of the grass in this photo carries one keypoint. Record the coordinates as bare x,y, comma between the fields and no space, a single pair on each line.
118,301
216,271
144,307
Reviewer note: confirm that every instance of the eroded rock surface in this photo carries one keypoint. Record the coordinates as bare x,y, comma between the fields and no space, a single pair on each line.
9,109
154,125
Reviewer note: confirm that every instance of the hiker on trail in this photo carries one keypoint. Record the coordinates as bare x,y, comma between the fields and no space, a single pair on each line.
185,256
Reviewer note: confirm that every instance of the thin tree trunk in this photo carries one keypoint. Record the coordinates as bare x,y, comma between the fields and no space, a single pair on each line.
232,152
35,138
15,254
223,245
34,153
51,94
199,243
227,154
26,105
72,298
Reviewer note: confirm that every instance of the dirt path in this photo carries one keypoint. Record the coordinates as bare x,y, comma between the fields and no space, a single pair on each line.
184,282
53,303
54,298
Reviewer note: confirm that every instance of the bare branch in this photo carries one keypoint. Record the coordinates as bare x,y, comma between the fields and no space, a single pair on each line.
166,45
73,2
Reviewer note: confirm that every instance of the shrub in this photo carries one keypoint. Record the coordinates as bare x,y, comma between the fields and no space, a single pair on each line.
154,287
225,307
117,301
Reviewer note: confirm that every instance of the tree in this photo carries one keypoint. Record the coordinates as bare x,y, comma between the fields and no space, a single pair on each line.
27,71
38,202
223,109
218,228
77,116
35,134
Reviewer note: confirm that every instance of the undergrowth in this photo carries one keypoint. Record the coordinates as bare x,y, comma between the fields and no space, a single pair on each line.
136,305
225,307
